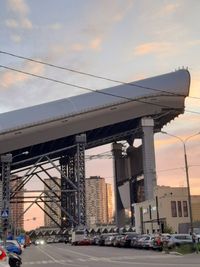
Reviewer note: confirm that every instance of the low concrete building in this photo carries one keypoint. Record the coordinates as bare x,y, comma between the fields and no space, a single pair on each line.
196,208
168,209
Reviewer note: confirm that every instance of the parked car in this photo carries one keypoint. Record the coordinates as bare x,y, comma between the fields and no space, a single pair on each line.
109,240
178,239
10,247
8,259
116,240
140,241
49,240
102,237
82,242
148,242
95,240
125,240
3,258
134,241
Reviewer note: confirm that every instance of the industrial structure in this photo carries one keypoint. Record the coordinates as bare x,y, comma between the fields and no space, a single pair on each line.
17,206
56,135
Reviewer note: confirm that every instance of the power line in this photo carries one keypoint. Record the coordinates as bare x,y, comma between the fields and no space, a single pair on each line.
91,90
91,75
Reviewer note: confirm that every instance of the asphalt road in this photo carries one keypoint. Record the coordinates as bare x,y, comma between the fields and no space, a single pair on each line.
57,255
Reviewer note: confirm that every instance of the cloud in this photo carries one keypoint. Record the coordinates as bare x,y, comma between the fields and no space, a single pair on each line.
9,78
21,10
15,38
55,26
18,6
152,48
11,23
120,13
77,47
106,15
194,88
169,9
194,42
95,44
25,23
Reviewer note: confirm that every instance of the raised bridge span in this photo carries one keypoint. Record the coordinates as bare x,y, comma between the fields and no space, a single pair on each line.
61,130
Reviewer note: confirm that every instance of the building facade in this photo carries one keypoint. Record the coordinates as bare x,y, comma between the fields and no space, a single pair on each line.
196,208
168,209
98,201
50,207
109,198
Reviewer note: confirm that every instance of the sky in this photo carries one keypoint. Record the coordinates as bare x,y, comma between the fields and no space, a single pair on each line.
126,40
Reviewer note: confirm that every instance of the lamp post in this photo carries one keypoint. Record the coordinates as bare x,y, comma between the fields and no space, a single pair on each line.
23,153
184,141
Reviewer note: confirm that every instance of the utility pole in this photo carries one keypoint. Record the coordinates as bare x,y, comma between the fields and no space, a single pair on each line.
184,141
5,211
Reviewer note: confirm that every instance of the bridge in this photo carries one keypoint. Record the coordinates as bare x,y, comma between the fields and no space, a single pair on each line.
56,135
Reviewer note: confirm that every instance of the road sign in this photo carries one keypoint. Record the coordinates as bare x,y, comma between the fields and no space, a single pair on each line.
4,214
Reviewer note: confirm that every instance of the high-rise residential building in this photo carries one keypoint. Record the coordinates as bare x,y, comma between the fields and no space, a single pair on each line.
109,203
51,207
17,205
98,201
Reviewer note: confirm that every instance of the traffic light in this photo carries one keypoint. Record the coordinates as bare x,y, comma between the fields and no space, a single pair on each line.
5,224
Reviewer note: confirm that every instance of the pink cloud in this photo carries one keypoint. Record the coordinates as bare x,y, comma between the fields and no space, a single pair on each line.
169,8
95,44
152,48
10,78
21,10
18,6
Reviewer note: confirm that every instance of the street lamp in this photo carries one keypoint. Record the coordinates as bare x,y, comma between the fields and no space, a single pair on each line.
23,153
184,141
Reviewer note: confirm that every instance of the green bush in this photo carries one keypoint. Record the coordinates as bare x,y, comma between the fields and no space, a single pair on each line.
184,248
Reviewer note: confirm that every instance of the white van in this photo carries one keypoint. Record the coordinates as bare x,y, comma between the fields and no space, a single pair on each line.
78,235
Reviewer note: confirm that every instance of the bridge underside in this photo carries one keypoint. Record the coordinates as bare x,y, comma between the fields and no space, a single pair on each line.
100,136
61,141
64,155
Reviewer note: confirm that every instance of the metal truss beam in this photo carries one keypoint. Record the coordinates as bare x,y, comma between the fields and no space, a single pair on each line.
80,176
48,214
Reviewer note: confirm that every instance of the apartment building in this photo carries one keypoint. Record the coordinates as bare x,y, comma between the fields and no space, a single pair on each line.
51,207
99,206
109,206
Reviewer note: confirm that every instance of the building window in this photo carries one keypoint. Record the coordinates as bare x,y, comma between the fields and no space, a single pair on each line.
185,209
179,209
173,209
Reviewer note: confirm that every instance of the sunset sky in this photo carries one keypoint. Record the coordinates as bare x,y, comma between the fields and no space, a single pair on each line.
126,40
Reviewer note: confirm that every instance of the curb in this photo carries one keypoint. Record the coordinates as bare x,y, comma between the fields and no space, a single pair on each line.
175,253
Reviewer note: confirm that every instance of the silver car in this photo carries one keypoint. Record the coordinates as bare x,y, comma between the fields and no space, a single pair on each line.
178,239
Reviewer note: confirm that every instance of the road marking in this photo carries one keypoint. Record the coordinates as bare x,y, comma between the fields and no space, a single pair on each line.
60,261
78,253
37,262
152,263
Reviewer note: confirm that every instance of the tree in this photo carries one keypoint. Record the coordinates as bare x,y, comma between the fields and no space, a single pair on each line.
168,229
